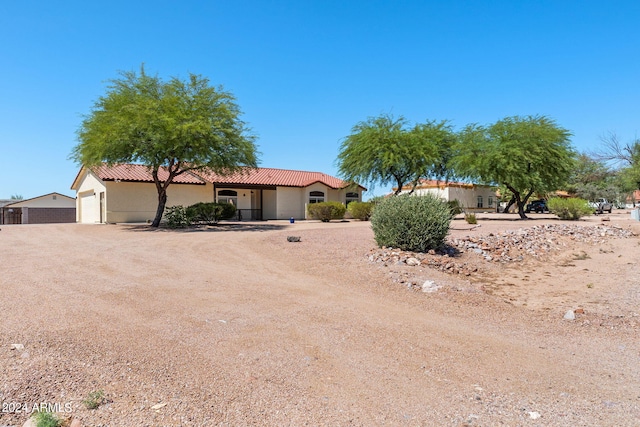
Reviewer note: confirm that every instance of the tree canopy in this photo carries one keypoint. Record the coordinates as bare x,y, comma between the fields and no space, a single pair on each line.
526,155
626,157
592,179
385,150
180,125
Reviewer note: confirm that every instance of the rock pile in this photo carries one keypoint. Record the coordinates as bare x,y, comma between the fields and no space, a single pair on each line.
507,246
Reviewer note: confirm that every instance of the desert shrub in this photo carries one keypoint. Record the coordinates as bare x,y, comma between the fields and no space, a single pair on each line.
94,399
413,223
571,209
210,213
470,218
360,210
176,217
326,211
46,419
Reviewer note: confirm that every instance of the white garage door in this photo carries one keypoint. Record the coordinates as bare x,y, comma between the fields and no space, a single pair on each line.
88,210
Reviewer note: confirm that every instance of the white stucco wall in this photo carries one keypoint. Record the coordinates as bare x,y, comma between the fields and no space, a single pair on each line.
269,204
87,199
138,201
290,202
468,197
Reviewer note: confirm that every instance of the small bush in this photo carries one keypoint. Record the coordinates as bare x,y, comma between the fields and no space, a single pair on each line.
412,223
176,217
569,209
46,419
360,210
210,213
95,399
326,211
470,218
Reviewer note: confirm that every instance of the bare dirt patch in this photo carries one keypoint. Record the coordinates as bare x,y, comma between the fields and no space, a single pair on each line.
234,325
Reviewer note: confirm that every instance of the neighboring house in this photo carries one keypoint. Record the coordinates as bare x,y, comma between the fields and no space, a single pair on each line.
633,200
472,197
47,209
126,193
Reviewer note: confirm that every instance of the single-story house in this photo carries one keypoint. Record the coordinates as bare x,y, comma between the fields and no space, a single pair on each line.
126,192
47,209
633,200
472,197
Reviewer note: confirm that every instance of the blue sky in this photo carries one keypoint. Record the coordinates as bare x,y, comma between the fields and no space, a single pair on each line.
305,72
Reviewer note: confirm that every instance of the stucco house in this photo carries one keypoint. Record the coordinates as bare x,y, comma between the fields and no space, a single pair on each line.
47,209
126,192
472,197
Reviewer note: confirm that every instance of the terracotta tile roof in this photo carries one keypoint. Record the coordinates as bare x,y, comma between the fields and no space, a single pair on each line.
246,176
276,177
432,183
140,173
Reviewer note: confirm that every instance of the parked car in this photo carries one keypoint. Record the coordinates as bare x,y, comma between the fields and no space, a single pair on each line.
538,206
601,205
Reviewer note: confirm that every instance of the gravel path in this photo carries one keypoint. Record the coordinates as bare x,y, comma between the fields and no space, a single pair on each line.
234,325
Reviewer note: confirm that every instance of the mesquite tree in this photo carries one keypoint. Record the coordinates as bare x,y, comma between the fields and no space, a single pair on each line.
176,125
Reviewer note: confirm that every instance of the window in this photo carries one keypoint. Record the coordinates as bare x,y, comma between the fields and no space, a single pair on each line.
490,201
228,196
352,197
480,202
316,197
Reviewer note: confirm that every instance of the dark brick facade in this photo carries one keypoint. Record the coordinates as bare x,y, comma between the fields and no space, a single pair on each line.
49,215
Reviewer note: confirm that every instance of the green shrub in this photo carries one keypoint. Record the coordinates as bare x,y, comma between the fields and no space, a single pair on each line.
326,211
210,213
46,419
360,210
571,209
470,218
412,223
176,217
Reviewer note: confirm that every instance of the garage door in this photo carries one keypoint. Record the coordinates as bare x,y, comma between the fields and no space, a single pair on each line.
88,210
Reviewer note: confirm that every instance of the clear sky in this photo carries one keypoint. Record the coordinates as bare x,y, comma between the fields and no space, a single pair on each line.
305,72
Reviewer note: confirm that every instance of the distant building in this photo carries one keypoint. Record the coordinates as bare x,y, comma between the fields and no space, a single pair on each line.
472,197
47,209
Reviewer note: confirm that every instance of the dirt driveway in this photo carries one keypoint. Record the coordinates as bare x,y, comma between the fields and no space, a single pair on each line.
236,326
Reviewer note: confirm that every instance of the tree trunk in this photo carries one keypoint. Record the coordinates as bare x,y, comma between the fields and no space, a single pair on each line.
162,201
521,212
511,202
519,201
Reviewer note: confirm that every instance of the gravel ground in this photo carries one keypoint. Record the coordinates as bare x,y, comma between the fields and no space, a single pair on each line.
234,325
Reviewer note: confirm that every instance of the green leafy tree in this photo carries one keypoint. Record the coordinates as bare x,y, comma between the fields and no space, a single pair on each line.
626,159
384,150
175,125
591,179
443,138
526,155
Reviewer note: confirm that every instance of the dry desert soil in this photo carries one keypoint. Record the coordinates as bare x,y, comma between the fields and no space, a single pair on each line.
233,325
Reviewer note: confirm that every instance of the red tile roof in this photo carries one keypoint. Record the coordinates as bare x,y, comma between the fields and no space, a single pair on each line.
140,173
246,176
432,183
275,177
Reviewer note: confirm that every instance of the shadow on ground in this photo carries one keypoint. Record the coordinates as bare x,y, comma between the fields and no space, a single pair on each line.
253,226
